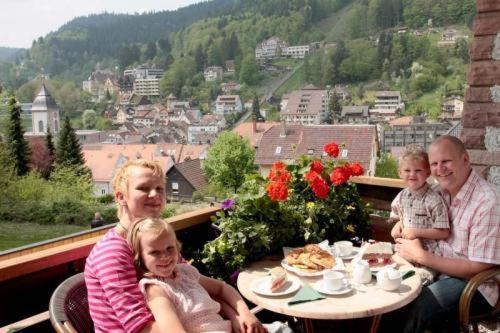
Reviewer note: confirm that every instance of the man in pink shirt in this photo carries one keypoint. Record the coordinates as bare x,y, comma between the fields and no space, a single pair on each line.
473,245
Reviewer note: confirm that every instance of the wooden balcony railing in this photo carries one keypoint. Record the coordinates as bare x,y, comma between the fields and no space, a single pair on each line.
28,275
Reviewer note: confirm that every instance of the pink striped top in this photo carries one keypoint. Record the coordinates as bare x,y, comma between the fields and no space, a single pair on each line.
475,231
115,299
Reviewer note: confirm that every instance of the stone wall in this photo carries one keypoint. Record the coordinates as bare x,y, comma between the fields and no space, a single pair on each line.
481,115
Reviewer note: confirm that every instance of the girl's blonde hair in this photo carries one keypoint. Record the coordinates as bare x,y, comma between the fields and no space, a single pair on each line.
154,225
122,176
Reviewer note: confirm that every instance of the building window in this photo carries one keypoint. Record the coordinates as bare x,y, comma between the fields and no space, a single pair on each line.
310,151
40,126
175,188
278,150
344,153
103,191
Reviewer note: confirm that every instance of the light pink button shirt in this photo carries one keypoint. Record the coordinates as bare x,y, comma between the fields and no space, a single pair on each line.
475,230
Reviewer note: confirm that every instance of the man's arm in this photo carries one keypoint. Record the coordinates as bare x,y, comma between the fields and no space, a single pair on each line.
458,267
427,233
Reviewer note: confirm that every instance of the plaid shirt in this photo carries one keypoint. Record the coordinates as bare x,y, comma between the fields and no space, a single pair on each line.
475,235
423,209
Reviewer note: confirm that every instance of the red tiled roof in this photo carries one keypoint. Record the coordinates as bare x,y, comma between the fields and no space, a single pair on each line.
406,120
192,171
245,130
359,140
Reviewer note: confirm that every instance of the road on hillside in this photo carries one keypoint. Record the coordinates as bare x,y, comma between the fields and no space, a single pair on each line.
275,86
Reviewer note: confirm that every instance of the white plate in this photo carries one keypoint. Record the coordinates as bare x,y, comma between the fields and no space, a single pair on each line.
319,286
262,286
354,253
377,269
339,266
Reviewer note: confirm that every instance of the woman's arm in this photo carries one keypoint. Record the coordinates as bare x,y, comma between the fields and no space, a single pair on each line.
247,321
163,310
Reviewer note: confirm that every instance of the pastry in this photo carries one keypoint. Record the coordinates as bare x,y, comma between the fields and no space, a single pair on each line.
278,278
377,254
310,258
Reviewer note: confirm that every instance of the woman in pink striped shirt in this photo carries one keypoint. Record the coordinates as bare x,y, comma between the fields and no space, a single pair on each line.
115,300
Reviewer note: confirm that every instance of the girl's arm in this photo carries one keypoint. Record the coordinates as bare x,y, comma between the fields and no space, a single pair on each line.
163,310
247,321
426,233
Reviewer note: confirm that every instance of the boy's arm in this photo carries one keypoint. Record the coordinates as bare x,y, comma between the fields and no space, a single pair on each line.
396,230
247,320
166,319
427,233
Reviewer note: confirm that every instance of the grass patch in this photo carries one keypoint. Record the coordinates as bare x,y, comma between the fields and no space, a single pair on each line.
294,83
15,234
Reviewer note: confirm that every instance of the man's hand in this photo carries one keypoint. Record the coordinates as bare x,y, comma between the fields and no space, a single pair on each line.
411,249
409,233
247,323
396,230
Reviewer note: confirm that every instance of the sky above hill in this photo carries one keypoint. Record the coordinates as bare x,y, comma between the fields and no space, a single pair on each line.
22,21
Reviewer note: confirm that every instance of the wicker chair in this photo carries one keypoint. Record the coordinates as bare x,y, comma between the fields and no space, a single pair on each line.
467,320
69,308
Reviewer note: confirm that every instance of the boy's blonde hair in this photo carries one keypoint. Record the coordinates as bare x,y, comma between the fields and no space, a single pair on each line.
414,153
120,181
154,225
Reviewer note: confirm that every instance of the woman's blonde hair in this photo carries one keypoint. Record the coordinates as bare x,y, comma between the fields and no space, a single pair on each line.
154,225
122,176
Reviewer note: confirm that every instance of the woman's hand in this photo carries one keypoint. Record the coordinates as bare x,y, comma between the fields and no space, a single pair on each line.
248,323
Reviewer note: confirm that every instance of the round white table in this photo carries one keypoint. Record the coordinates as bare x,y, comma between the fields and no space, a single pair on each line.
366,300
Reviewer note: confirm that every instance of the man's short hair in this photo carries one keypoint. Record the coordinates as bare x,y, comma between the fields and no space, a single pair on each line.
455,142
414,152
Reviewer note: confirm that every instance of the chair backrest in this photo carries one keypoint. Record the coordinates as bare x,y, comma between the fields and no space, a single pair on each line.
69,308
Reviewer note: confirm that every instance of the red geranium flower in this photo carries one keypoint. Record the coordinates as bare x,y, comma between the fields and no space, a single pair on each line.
311,176
317,166
278,165
356,169
332,149
340,175
277,191
320,187
279,175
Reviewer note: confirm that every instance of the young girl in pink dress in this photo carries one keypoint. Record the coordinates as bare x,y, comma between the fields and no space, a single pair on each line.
177,294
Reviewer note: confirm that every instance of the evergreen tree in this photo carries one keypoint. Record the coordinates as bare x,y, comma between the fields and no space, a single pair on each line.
68,151
200,58
335,108
49,143
16,145
256,107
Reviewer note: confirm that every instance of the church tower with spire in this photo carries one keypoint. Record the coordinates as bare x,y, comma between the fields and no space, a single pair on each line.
45,113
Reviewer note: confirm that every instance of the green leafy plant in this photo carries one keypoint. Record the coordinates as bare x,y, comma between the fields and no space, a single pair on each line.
306,202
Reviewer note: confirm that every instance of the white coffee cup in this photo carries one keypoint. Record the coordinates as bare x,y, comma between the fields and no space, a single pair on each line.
333,280
342,248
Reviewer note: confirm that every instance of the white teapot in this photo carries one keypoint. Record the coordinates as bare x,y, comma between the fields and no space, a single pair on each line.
389,278
361,272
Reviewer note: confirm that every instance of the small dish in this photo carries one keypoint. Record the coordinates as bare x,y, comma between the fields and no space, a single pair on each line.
262,286
353,254
377,269
319,286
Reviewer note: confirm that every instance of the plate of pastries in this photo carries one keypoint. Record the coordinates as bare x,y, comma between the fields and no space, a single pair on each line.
310,260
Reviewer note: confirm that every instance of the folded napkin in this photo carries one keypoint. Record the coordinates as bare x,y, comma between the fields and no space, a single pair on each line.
305,294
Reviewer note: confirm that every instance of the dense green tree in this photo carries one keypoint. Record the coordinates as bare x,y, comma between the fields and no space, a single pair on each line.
462,50
386,166
249,72
256,107
200,58
51,153
16,145
89,119
335,109
68,149
182,70
150,51
229,160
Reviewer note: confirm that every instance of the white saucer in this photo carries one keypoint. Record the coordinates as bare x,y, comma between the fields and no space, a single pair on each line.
262,286
354,253
319,286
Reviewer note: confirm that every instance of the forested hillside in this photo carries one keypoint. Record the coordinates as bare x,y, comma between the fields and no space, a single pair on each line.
8,53
211,32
